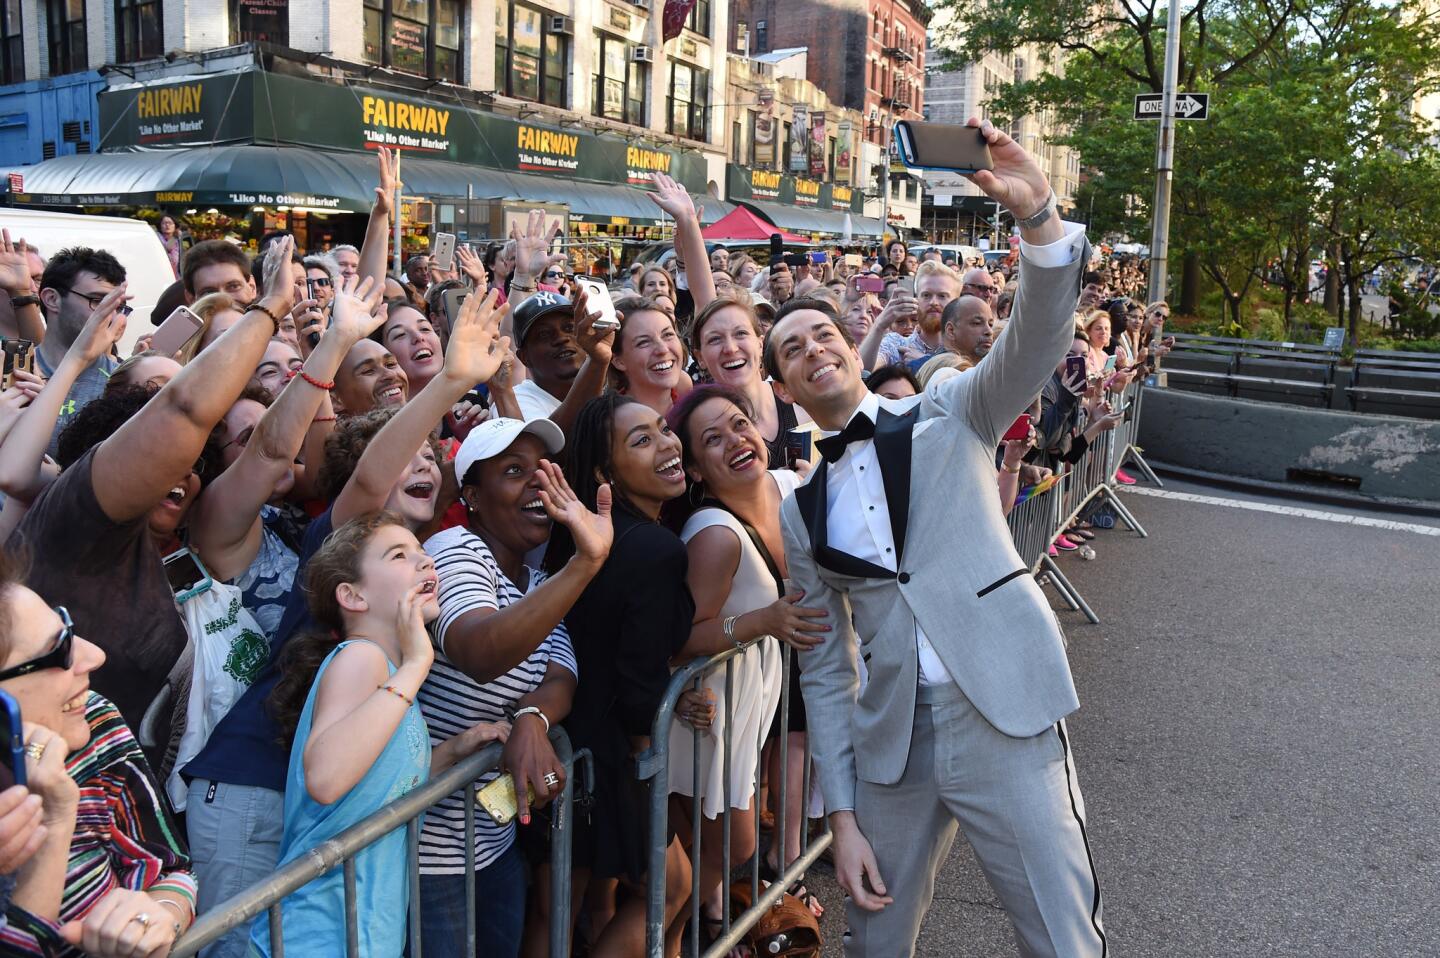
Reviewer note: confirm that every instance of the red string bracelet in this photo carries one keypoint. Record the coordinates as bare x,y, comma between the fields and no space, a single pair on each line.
315,382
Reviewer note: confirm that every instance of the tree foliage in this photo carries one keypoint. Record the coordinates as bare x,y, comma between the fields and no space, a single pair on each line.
1312,148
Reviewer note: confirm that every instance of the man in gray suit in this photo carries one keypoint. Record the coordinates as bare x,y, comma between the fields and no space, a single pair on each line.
899,534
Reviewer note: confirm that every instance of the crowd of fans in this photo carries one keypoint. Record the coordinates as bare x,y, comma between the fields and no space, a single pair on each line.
418,514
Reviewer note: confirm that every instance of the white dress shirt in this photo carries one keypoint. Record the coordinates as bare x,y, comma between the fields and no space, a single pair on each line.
859,514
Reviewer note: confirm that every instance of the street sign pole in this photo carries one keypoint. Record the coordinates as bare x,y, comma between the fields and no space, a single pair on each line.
1164,158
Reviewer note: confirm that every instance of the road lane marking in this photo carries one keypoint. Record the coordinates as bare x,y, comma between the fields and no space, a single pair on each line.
1288,511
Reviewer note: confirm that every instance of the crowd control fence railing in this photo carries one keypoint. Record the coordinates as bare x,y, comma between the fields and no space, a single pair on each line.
654,766
1036,522
404,812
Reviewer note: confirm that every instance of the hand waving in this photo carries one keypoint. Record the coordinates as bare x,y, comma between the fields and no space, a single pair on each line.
352,312
532,250
592,531
471,266
1017,182
14,270
389,180
280,293
476,347
673,199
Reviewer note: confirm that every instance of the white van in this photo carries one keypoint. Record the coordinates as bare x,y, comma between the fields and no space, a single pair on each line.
134,243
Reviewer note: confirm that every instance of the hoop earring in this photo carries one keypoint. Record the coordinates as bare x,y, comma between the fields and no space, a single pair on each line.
690,494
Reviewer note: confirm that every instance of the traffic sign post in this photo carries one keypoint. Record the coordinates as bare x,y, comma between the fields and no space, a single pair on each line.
1188,106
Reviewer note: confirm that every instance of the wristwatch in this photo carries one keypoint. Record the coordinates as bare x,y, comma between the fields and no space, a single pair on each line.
20,302
1037,219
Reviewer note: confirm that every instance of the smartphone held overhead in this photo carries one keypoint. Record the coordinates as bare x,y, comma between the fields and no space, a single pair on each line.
176,332
943,146
442,252
597,298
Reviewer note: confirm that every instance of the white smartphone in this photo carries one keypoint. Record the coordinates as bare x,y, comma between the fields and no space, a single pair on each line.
442,253
597,297
178,329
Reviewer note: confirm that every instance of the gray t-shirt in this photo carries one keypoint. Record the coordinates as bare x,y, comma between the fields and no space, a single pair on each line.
85,391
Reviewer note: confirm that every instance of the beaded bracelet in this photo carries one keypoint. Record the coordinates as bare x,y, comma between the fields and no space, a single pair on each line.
394,691
315,382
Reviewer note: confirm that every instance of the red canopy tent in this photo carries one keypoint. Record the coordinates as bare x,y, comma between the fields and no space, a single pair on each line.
742,223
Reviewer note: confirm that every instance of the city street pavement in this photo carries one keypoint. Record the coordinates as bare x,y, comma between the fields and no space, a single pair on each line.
1257,740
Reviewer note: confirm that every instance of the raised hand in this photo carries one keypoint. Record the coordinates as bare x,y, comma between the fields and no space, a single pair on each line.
532,250
673,199
280,295
1016,182
389,180
14,270
103,329
476,348
352,311
592,531
471,266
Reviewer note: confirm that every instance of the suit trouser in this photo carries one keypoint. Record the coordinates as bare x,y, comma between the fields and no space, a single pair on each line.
1019,804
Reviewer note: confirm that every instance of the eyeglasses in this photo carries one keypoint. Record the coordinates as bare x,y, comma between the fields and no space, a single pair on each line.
981,289
319,281
95,301
61,656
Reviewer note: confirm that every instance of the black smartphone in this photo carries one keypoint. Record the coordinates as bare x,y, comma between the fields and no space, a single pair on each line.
19,354
12,753
796,260
1074,367
777,248
943,146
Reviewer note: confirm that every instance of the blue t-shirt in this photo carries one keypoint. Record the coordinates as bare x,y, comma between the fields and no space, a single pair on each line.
245,747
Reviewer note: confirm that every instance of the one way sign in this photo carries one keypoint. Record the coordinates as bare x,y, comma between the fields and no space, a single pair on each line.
1188,106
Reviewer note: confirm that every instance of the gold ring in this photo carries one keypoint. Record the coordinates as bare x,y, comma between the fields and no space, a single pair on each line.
36,750
143,919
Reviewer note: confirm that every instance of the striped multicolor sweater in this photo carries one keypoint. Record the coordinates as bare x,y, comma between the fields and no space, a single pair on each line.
124,836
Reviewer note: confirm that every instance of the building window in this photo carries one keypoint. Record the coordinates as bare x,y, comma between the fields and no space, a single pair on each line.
139,30
65,25
619,82
689,100
737,143
910,190
12,44
699,18
529,56
415,36
762,36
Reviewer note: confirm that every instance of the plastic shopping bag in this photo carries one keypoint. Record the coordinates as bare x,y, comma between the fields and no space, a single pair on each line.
229,649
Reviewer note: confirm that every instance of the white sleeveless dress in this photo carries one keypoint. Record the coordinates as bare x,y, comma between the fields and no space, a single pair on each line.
756,688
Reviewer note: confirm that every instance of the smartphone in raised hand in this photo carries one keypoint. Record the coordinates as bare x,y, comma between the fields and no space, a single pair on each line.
597,299
19,354
943,146
442,253
176,332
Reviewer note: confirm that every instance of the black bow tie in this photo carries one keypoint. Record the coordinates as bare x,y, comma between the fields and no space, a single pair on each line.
833,447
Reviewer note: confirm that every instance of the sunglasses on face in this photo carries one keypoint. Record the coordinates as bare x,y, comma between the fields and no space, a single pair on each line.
60,656
322,281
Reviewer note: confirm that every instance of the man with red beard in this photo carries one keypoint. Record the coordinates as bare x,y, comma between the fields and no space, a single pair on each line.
936,286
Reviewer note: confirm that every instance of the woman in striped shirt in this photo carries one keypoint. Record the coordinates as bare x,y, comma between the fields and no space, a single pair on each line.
112,876
502,653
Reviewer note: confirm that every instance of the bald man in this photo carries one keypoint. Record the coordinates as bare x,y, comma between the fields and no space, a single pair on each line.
978,282
967,327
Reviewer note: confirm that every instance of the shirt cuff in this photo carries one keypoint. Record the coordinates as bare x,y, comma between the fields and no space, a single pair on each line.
1062,252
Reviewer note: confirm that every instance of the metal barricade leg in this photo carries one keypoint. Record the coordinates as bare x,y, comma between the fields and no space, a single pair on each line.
1125,515
561,817
1064,585
1061,587
1134,455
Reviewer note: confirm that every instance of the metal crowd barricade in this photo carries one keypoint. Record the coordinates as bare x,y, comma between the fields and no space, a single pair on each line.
654,766
404,812
1039,520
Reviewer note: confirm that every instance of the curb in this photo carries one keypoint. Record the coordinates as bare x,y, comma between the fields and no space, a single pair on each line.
1293,490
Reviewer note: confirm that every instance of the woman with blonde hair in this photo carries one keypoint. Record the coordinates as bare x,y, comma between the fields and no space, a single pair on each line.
218,312
935,368
743,270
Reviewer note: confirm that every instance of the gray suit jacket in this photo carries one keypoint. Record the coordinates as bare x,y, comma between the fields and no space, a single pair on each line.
958,576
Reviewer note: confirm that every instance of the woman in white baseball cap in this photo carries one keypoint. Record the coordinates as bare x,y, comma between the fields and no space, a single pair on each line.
502,655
